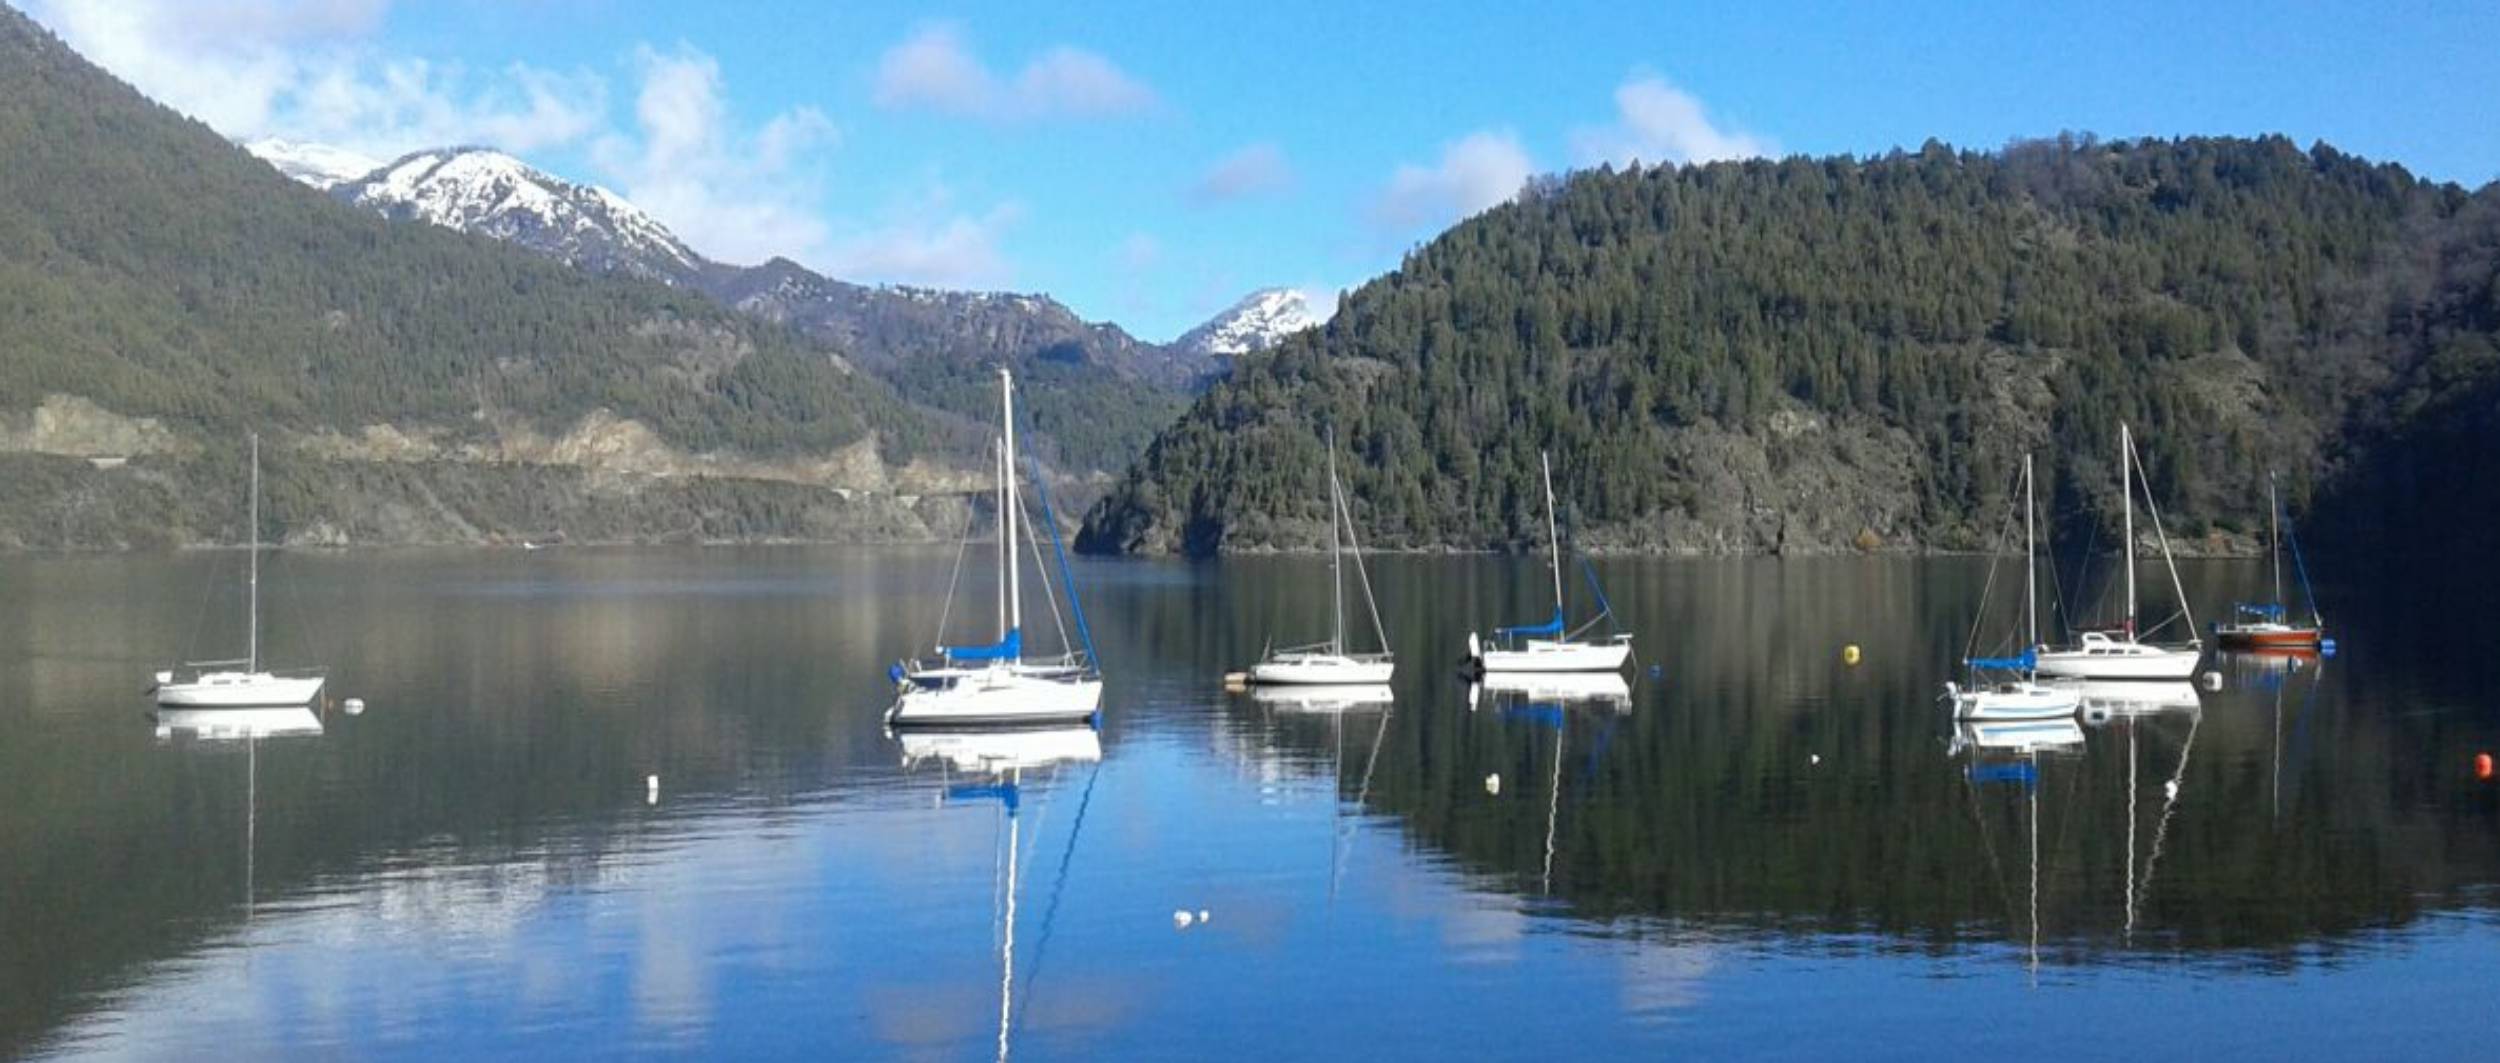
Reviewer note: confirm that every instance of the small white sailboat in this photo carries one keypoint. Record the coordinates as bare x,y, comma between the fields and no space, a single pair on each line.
2019,695
996,684
1330,663
239,683
2122,655
1547,647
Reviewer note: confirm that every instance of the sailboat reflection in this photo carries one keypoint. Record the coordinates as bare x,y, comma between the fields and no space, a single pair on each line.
2141,884
1331,698
1549,711
247,726
2010,752
230,725
1595,689
1001,751
2104,700
996,762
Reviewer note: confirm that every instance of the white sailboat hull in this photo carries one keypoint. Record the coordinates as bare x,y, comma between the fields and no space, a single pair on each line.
2014,701
994,697
238,690
1321,669
1543,655
2102,657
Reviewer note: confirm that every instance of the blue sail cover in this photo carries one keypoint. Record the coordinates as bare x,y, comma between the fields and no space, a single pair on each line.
1006,649
1550,627
2028,661
2262,610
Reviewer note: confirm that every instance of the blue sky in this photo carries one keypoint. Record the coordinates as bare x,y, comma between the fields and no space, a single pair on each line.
1147,163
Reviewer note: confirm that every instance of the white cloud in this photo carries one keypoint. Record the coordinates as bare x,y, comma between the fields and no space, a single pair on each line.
306,70
1257,169
934,69
930,247
1656,122
736,196
1477,171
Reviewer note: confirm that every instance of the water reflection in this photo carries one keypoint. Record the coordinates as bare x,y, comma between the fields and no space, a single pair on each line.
1328,698
473,863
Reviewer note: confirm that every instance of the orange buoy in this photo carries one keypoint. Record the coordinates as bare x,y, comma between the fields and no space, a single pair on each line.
2482,766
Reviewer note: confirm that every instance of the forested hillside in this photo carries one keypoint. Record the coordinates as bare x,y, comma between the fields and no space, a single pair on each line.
161,293
1853,354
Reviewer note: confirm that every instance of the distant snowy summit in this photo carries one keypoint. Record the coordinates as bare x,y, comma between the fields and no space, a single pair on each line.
479,190
318,165
1255,323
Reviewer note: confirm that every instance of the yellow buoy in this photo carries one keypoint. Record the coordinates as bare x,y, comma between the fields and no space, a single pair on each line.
1849,653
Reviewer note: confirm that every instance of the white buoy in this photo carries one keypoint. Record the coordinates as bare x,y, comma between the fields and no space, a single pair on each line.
1181,920
2213,680
1493,784
1203,916
1814,758
651,790
354,706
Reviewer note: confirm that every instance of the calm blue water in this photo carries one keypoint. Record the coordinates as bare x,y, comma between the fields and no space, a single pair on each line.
1761,851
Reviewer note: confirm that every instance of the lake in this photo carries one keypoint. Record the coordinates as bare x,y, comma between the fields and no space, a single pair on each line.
1761,850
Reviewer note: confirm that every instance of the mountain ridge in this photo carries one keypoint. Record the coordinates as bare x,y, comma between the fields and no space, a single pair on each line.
1097,391
1826,355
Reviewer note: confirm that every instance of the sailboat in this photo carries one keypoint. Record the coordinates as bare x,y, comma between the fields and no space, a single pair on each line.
2264,625
2020,695
2120,655
1546,647
996,683
1330,663
239,683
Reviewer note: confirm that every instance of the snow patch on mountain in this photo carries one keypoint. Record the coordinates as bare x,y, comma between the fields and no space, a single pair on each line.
482,191
319,165
1255,323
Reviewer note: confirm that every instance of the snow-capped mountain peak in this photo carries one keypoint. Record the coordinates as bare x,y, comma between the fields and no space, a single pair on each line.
318,165
483,191
1253,324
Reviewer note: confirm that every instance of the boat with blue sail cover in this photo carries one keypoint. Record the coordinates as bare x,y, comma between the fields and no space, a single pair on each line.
2008,688
999,683
1548,647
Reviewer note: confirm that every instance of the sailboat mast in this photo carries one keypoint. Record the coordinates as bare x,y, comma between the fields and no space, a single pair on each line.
2031,567
1007,484
2274,533
998,455
2126,501
252,616
1336,555
1553,533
